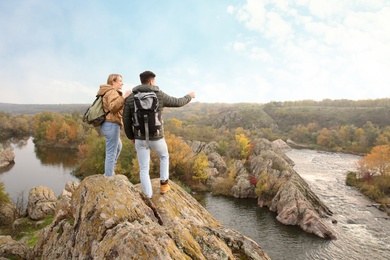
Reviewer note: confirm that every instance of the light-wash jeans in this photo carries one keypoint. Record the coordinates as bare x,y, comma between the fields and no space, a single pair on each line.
143,154
111,132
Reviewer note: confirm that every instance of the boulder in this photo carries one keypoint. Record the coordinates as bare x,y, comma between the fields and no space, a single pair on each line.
196,146
7,214
7,158
242,187
111,218
280,144
210,148
262,146
11,249
41,202
216,161
63,206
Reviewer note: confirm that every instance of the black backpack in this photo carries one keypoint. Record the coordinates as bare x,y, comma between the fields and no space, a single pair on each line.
147,117
95,114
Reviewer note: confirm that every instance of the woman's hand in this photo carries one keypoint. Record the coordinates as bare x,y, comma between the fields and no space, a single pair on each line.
127,93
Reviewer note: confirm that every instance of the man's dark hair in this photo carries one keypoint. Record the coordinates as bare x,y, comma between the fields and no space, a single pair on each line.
146,76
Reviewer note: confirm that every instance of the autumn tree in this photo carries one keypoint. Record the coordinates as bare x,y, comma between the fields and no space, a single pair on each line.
180,155
244,146
199,167
323,138
58,130
14,125
376,162
384,136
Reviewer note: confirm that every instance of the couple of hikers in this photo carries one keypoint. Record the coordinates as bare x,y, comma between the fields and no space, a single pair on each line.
123,105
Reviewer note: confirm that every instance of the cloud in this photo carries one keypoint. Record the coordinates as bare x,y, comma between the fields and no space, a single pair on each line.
277,27
252,14
230,9
260,54
239,46
57,52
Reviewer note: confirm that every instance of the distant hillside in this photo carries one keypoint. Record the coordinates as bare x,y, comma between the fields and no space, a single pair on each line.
38,108
274,115
329,112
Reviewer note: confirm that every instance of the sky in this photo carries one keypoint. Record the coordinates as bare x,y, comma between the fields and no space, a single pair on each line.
226,51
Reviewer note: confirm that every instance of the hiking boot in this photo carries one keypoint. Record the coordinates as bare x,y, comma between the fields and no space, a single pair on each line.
164,187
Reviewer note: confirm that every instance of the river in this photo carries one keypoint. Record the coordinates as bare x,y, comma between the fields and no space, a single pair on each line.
34,167
363,232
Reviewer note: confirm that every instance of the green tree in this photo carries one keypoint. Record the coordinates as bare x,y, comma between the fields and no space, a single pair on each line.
4,197
372,132
91,155
300,133
346,133
359,137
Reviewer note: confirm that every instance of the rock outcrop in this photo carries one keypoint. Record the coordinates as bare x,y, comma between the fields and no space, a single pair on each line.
11,249
294,201
296,204
7,157
110,218
7,214
41,202
288,194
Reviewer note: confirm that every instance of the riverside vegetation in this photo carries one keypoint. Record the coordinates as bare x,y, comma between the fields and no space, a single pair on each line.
360,127
334,125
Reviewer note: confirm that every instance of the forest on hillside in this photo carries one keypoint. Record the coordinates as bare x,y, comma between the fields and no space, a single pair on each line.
336,125
360,127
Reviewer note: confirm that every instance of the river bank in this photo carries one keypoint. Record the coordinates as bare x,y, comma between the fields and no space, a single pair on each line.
362,231
361,228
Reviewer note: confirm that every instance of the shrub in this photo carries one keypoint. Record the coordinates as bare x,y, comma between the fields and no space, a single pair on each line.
4,197
268,186
372,192
223,185
351,179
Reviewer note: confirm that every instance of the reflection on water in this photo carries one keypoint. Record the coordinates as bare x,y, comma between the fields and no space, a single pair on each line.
51,169
277,240
7,168
55,157
17,143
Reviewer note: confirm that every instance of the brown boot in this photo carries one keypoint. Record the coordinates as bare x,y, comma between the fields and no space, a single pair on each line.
164,187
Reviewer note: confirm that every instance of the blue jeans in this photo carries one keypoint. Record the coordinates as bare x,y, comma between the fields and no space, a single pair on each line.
143,154
111,132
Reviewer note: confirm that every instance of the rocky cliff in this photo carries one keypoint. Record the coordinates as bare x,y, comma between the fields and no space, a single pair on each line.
110,218
269,176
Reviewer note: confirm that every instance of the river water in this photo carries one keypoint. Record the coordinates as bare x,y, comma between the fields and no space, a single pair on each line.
34,167
363,232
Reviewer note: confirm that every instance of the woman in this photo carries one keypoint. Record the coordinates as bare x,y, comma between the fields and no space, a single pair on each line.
113,101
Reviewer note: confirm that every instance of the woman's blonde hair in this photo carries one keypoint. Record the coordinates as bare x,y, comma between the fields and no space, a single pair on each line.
112,78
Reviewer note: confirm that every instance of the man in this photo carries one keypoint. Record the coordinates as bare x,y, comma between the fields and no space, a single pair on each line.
156,140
